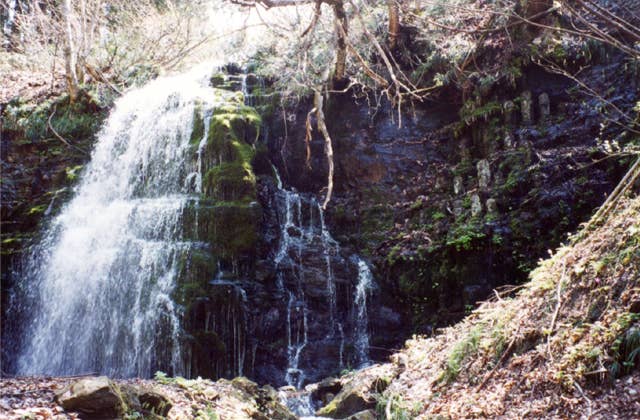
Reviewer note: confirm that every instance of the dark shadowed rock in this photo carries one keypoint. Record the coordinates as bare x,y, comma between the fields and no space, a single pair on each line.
154,402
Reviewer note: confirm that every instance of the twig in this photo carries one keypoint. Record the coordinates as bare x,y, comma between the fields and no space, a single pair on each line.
590,412
62,139
627,181
495,368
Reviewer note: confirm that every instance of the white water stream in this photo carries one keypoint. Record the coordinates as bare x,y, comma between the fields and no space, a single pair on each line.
101,280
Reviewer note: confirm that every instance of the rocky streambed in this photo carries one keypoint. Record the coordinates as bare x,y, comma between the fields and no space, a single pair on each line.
355,395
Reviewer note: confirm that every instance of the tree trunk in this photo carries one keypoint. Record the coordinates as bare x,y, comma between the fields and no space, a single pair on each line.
342,30
394,22
69,52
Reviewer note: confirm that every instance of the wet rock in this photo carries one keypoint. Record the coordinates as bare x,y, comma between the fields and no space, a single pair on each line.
328,385
457,208
93,398
328,397
476,205
509,113
492,206
465,149
263,403
526,108
509,141
359,392
484,173
545,107
458,186
474,293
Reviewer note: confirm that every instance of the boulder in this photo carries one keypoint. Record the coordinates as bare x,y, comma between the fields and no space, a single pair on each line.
93,398
146,401
484,173
359,392
458,185
326,389
545,107
476,205
492,207
509,113
526,108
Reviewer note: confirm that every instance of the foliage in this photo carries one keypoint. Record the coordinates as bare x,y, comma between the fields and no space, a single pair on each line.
117,41
391,407
466,347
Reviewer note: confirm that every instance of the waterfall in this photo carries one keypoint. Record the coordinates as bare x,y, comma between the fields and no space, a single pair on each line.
361,333
9,21
99,284
124,279
306,245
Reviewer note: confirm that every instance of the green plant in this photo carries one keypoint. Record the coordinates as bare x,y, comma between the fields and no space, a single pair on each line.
438,216
391,407
464,348
626,351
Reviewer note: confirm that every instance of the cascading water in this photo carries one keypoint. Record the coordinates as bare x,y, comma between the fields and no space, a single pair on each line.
101,281
303,231
125,282
361,333
297,310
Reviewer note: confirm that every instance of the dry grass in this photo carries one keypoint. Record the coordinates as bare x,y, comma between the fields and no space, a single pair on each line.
555,347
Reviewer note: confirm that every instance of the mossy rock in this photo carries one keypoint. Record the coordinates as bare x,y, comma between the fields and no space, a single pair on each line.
359,393
233,181
196,267
230,227
232,122
198,126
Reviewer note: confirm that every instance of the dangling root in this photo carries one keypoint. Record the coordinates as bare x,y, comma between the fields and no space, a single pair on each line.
328,148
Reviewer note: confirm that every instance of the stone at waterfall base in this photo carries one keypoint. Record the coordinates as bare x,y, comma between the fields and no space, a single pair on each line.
93,398
358,394
101,398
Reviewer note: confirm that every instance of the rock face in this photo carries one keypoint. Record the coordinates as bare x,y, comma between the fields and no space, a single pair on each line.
270,295
410,197
93,398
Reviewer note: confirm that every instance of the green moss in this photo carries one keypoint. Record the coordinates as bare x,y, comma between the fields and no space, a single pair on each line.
37,209
72,173
198,126
217,80
232,181
230,227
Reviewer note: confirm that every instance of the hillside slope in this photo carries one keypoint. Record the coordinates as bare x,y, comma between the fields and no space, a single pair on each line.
565,345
